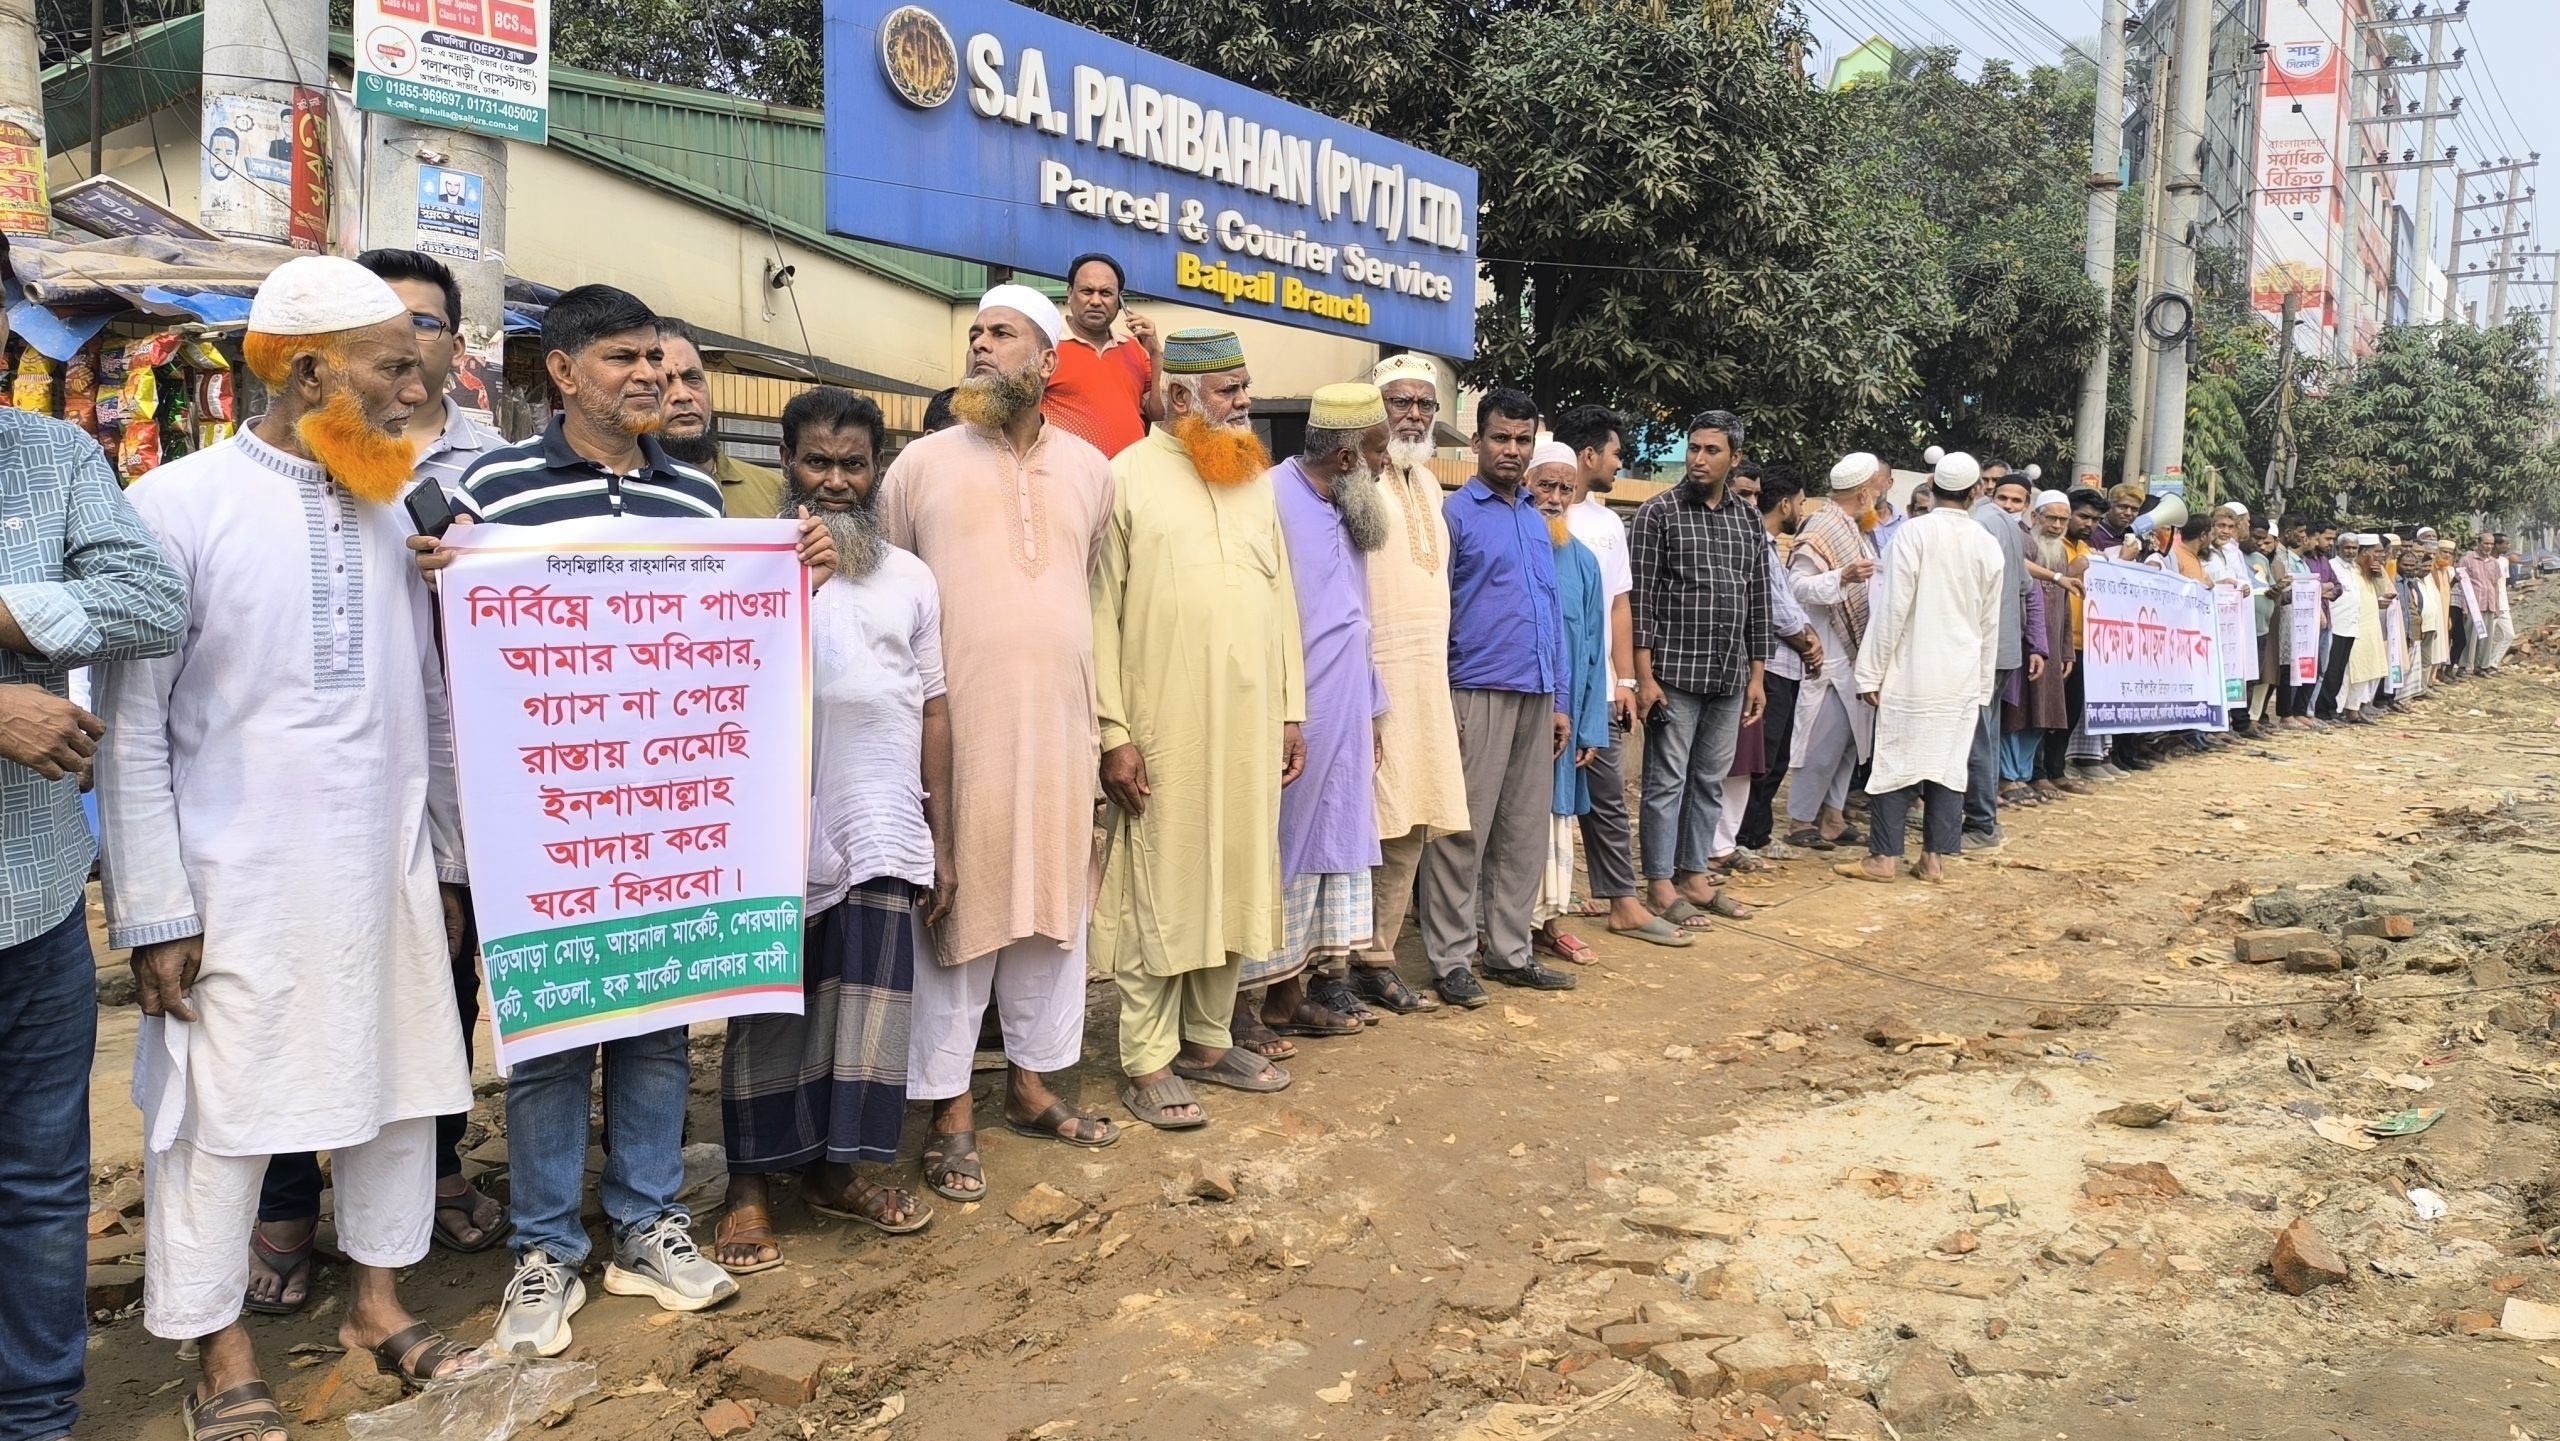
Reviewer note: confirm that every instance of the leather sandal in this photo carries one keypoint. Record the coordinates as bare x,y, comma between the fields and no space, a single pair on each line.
1052,1125
246,1412
751,1226
1149,1103
953,1153
418,1356
871,1203
1382,985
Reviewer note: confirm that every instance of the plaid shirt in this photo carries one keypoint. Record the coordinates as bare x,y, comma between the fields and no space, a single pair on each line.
1701,589
86,582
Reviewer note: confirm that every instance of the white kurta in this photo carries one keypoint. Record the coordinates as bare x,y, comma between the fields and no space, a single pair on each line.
1932,645
876,654
283,786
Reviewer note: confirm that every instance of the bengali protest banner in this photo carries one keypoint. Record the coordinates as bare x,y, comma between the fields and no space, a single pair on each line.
2395,636
630,703
2235,626
2302,649
2149,652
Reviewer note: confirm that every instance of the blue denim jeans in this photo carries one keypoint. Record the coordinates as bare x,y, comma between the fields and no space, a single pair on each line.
1687,755
645,1080
1982,774
48,1030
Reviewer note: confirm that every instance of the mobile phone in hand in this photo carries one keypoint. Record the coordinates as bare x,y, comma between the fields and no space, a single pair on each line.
429,509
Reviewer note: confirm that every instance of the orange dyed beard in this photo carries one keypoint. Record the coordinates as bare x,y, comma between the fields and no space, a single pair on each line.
1558,531
1225,457
374,467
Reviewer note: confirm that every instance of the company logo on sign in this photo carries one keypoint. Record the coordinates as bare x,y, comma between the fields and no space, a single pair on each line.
389,47
2303,57
922,63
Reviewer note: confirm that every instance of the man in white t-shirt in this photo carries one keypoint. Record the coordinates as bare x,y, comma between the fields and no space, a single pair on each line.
825,1090
1608,843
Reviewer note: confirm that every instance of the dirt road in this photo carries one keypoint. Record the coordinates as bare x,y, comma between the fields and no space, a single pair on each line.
1855,1138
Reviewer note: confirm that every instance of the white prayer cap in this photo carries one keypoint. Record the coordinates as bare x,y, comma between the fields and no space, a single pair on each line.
2049,499
2233,507
1030,304
2368,539
1405,365
1955,471
1933,455
2425,531
322,295
1854,470
1554,452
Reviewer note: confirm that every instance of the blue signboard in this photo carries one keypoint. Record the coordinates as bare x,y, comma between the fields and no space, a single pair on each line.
982,130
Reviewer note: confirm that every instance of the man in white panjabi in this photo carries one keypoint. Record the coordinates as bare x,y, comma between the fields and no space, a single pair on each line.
1927,664
277,803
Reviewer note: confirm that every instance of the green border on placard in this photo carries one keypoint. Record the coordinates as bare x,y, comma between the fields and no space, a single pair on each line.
436,105
691,941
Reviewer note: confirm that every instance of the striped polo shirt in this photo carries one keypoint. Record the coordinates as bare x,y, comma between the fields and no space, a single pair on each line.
541,479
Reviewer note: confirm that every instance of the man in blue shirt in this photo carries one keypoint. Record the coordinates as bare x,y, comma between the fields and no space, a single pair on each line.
1508,684
80,580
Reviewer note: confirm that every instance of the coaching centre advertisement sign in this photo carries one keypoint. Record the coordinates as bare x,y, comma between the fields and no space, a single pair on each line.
2149,652
477,65
982,130
630,703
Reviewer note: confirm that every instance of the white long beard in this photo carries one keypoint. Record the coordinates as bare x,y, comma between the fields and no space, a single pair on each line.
856,532
1364,511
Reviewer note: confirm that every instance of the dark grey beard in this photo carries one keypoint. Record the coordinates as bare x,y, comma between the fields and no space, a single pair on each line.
702,449
1364,511
856,532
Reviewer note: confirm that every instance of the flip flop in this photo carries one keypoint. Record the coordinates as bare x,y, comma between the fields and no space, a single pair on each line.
1857,871
417,1356
748,1225
1238,1069
1689,916
1655,930
955,1153
246,1412
1729,908
1049,1125
297,1265
1149,1103
854,1212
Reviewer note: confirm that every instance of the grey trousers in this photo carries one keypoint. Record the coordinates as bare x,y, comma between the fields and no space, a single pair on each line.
1391,895
1507,747
1686,757
1982,772
1829,754
1608,846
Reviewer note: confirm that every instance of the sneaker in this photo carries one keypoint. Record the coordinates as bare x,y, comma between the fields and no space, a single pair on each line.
660,1261
541,1298
1533,976
1984,840
1461,988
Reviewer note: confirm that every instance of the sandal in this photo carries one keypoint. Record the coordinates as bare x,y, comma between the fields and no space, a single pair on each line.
1237,1069
1382,985
1656,930
1857,871
1689,916
1335,1024
467,1205
953,1153
419,1355
1335,995
1260,1039
872,1203
1810,839
1055,1123
246,1412
1849,836
1729,908
1566,946
1150,1103
295,1267
1587,908
1742,863
747,1225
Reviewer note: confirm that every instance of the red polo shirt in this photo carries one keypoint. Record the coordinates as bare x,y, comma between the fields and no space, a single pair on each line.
1097,394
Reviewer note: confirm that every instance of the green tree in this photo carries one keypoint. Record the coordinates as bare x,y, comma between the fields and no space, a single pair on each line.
756,49
2439,421
1984,178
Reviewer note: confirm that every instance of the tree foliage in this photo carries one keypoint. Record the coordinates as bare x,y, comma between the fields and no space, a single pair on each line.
2439,421
756,49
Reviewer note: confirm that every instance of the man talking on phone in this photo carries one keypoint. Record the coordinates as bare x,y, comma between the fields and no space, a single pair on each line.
1104,390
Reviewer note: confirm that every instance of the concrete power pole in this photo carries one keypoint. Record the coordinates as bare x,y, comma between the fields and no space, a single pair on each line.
2138,366
2167,460
2506,252
2106,150
2273,489
405,162
256,56
22,194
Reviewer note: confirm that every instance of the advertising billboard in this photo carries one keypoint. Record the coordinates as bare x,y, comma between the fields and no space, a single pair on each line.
982,130
477,65
2300,104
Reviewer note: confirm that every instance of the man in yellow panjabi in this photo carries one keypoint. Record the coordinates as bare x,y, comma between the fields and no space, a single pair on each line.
1201,689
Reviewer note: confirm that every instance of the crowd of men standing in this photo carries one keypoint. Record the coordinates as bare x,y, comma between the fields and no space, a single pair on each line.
1312,697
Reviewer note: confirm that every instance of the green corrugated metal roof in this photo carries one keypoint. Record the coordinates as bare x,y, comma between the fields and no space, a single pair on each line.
763,164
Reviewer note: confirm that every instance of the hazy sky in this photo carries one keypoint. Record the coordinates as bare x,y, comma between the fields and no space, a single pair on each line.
2509,107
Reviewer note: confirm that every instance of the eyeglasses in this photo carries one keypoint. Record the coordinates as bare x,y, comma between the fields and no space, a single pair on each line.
1417,404
427,326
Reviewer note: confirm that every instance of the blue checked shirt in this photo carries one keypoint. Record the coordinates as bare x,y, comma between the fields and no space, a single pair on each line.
85,582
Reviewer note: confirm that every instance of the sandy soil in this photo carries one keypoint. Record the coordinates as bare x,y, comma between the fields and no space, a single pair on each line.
1430,1231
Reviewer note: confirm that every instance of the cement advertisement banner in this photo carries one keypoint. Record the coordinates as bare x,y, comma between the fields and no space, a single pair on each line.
2295,229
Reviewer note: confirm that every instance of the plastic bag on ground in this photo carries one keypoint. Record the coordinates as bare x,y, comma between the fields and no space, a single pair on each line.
507,1395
